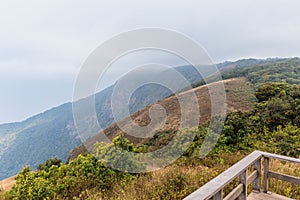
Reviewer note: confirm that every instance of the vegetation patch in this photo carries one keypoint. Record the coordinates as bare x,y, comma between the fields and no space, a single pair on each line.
271,125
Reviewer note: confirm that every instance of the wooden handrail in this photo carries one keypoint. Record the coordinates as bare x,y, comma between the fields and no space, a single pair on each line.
217,184
214,188
279,157
270,174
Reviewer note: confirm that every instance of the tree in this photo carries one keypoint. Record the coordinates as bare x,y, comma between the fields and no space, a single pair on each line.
269,90
119,155
49,163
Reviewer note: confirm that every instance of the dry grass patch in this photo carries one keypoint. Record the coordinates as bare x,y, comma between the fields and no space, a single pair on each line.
7,184
173,182
281,187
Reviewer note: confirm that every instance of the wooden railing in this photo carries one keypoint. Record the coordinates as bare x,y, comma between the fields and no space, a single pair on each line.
214,188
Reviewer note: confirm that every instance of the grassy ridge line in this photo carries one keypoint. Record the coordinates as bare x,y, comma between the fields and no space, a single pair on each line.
243,132
240,97
7,184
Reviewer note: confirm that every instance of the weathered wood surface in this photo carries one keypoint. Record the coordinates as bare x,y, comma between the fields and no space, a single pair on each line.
279,157
266,196
214,187
235,193
266,171
283,177
252,177
217,184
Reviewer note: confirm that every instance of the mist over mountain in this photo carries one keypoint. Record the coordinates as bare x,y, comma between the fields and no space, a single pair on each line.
53,133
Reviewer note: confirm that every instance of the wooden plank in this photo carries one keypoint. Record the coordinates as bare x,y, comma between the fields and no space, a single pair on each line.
252,177
283,177
235,193
266,196
257,167
215,186
211,188
218,196
243,181
266,171
279,157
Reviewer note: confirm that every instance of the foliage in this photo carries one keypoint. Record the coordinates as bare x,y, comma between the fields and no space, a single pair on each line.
283,141
64,181
269,90
287,70
119,155
272,125
49,163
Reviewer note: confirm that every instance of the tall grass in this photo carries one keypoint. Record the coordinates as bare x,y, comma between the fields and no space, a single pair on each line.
282,187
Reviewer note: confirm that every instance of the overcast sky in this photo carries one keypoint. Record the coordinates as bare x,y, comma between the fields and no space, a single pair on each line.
44,42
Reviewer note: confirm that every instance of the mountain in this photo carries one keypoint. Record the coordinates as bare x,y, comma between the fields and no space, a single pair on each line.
53,133
287,70
270,125
239,97
48,134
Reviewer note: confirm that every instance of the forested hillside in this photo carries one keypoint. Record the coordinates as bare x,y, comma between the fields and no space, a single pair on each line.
283,70
272,124
240,97
53,133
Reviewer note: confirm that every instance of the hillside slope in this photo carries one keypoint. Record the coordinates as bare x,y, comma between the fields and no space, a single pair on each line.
271,125
283,70
7,184
53,134
239,96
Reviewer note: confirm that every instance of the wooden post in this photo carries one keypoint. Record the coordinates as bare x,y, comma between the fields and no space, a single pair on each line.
257,167
219,195
243,180
266,171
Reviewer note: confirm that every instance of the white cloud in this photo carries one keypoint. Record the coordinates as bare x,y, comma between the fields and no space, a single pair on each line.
51,38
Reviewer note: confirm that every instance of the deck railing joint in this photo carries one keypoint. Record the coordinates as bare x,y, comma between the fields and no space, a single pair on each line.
214,188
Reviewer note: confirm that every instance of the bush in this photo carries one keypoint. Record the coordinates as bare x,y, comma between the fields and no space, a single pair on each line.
270,90
63,181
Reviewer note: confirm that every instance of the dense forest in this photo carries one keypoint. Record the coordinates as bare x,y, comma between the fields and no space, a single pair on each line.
283,70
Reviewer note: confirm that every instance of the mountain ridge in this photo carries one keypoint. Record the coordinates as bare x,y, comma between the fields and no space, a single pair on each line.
53,133
240,97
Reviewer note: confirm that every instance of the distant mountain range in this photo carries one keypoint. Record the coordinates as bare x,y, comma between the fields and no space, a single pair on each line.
53,133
